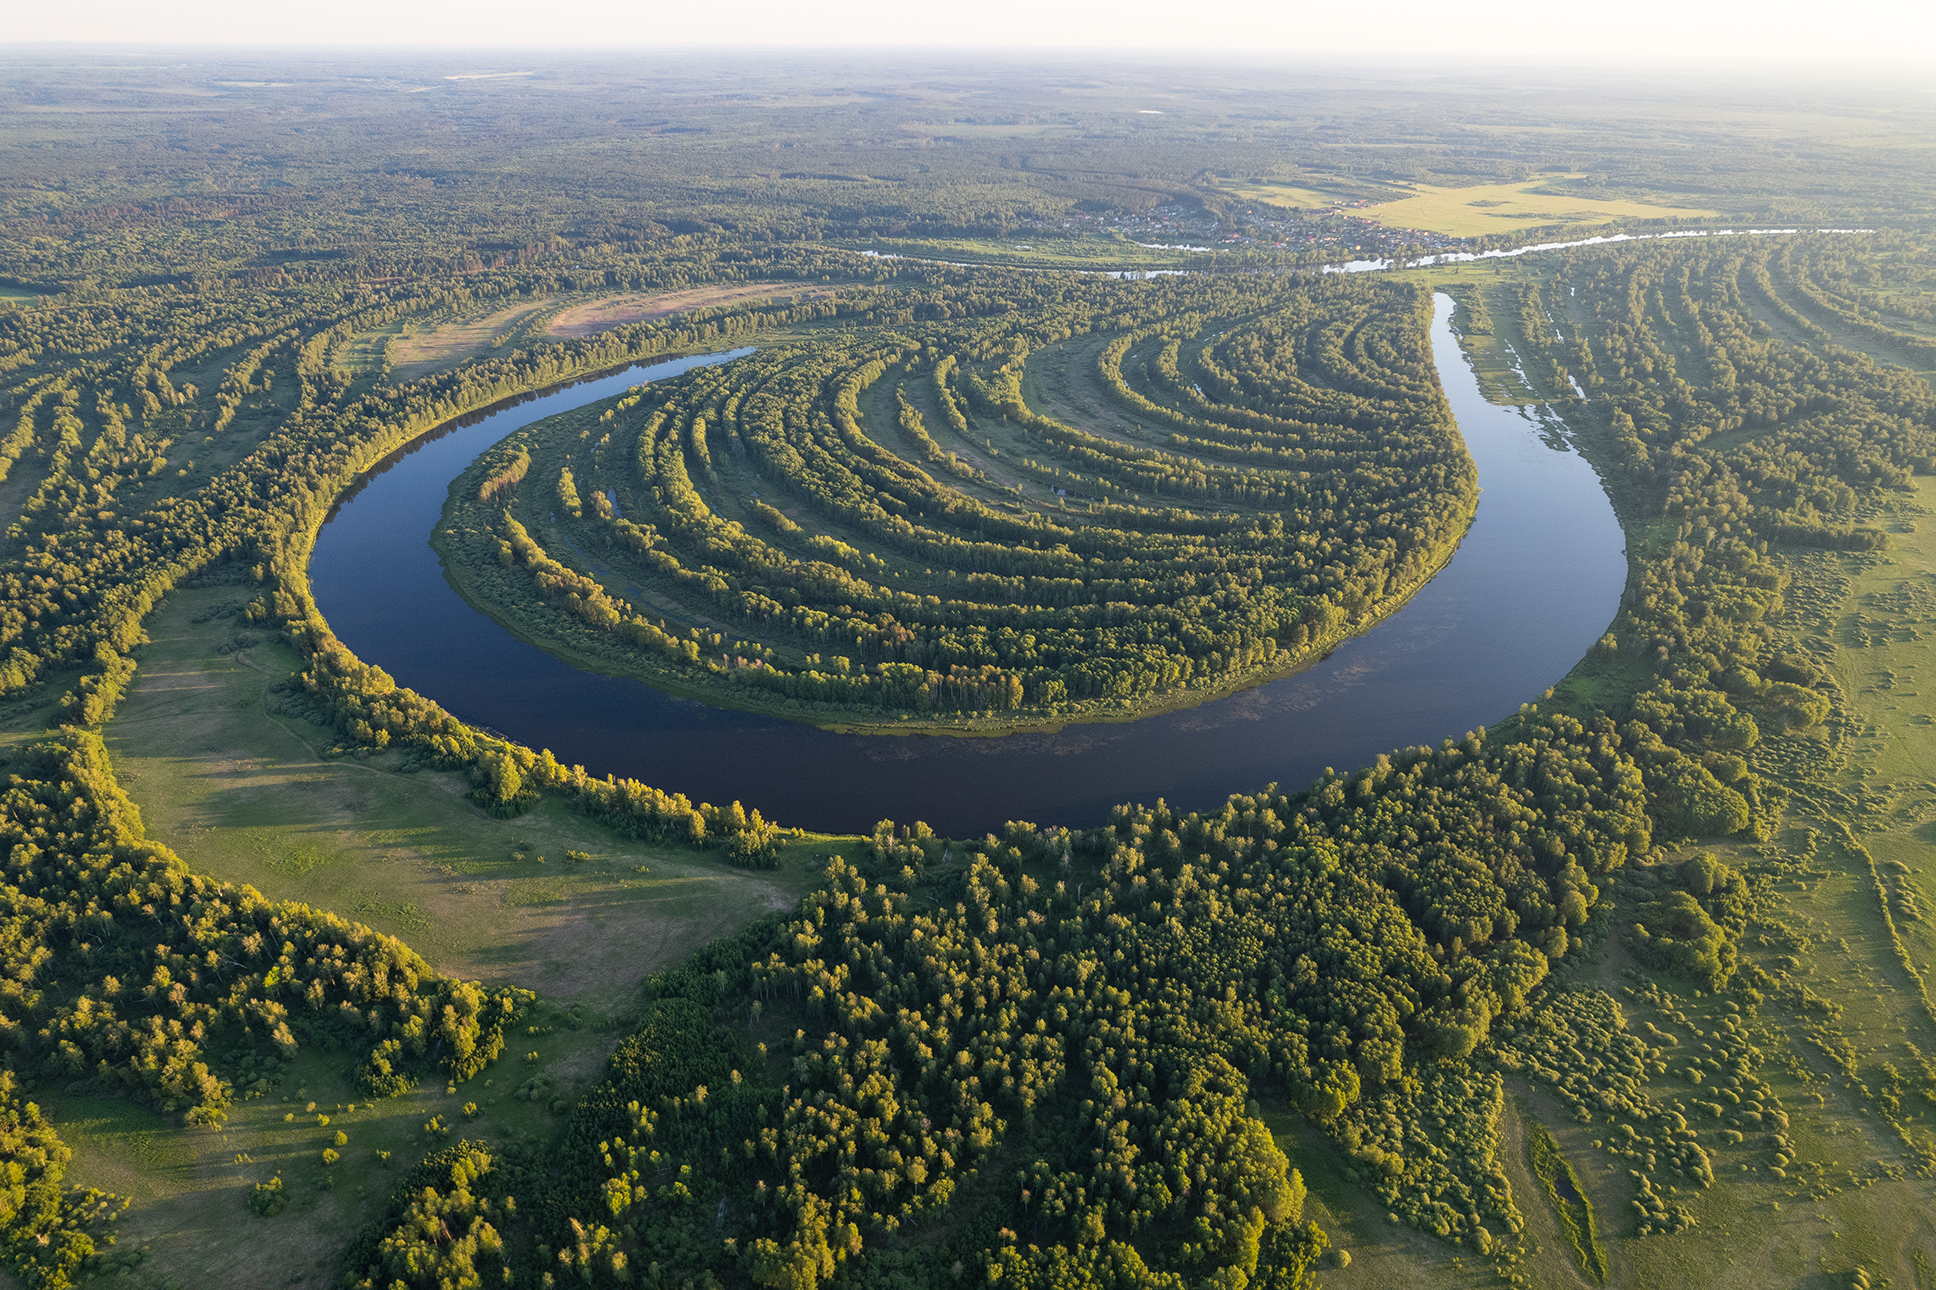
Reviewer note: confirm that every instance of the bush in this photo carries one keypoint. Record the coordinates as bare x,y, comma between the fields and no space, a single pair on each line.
269,1199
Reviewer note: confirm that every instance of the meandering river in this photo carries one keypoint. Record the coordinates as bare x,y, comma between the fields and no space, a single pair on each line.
1535,583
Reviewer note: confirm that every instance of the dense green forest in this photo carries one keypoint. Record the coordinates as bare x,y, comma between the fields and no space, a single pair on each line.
1587,995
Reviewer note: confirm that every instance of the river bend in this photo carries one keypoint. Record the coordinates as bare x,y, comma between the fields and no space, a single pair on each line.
1532,587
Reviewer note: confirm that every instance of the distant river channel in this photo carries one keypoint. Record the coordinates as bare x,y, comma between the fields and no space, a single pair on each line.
1534,584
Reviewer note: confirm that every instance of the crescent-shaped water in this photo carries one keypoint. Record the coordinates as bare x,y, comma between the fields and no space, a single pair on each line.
1532,587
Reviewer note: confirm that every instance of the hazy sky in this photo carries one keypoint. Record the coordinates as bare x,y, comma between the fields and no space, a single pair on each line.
1892,31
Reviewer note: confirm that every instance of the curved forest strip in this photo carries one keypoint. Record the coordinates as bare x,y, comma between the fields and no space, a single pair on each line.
885,528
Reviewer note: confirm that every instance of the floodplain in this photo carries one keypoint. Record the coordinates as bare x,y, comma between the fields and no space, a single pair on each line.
334,988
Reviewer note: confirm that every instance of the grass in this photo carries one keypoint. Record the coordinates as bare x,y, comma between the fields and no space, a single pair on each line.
1479,209
190,1224
248,795
453,339
1314,195
1060,380
422,351
1383,1253
1549,1260
1885,663
363,354
1841,334
590,316
1856,1196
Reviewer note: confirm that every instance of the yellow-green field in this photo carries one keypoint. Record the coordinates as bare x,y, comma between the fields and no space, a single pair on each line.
251,795
1478,209
189,1223
1294,196
453,340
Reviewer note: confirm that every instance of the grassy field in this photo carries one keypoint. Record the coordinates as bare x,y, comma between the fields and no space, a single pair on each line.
364,353
248,795
1379,1252
586,317
1312,195
1849,1011
1013,472
1884,630
1480,209
190,1224
254,795
454,339
1842,1035
421,351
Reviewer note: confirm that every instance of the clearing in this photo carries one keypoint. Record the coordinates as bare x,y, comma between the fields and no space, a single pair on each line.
425,349
420,353
1480,209
190,1222
250,795
613,311
1313,193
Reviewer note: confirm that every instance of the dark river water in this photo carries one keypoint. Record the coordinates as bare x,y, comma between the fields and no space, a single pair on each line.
1535,583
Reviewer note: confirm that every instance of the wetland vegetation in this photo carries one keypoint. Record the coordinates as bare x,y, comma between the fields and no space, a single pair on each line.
307,981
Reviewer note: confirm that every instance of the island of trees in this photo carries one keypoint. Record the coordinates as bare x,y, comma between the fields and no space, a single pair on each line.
879,524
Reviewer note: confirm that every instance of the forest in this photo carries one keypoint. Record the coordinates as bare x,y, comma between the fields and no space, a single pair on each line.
1588,995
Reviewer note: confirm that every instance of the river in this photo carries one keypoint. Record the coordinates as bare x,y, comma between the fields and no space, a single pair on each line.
1536,581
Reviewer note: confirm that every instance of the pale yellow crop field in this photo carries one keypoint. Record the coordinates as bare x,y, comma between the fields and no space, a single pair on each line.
1497,208
1293,196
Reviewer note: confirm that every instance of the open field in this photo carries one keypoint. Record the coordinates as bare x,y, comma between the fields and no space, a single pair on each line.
1839,1035
1886,660
591,316
416,353
1012,468
245,792
1480,209
1314,194
241,792
1846,1021
1664,934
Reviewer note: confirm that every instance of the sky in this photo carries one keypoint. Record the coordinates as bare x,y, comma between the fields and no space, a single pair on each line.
1762,32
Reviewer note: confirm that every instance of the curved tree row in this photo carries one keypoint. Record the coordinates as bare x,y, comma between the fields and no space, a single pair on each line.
905,522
